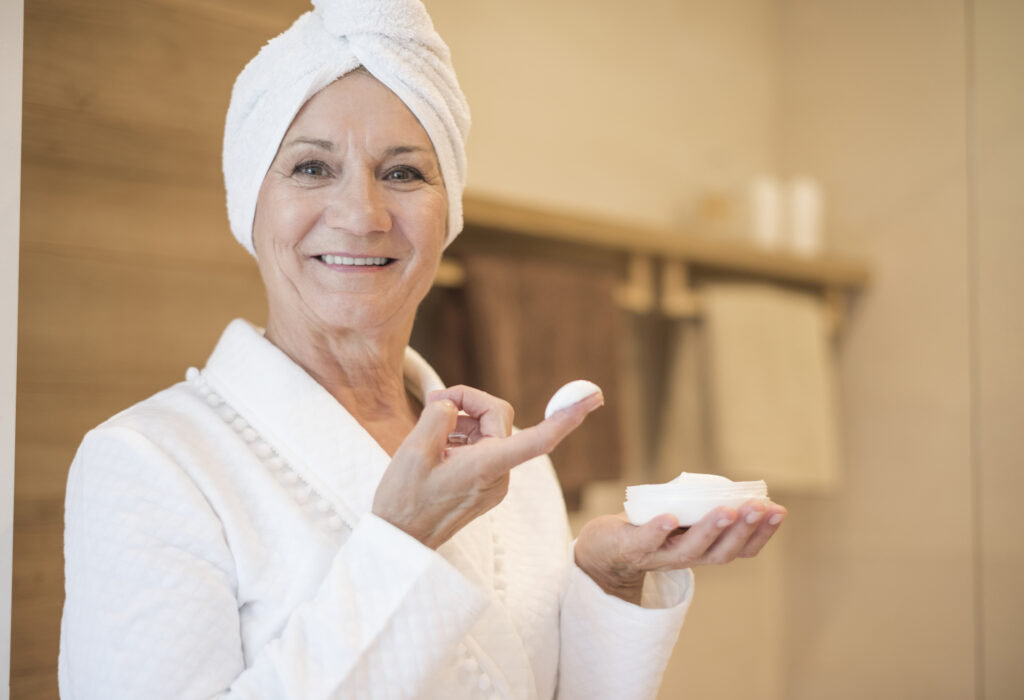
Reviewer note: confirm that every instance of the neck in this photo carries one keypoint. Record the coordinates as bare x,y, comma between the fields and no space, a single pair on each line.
363,372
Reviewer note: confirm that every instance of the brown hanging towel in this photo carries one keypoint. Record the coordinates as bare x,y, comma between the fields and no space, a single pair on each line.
441,335
536,324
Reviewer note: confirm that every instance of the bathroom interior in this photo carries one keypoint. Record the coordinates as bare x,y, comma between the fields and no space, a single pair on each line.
783,235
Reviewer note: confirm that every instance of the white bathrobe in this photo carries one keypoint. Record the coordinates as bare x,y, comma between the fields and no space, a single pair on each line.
219,543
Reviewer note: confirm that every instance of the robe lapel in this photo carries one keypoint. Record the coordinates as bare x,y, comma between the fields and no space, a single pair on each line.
304,424
331,452
297,417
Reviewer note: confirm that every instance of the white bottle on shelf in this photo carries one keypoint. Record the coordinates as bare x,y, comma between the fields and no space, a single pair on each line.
765,211
805,216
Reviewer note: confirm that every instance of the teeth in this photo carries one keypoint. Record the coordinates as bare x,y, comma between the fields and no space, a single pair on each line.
343,260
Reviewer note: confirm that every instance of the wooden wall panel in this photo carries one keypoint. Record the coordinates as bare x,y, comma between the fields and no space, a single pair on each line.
128,271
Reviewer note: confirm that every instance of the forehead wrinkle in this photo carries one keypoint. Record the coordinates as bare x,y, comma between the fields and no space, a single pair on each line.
330,146
322,144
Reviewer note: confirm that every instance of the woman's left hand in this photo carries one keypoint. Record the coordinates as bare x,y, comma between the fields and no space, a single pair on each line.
617,554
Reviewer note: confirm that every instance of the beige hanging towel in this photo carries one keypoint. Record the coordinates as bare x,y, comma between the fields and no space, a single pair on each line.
681,441
771,386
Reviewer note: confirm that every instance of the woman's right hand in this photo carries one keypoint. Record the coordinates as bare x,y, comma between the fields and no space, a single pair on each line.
432,490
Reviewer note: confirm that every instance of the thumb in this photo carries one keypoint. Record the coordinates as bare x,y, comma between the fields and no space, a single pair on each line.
650,536
429,437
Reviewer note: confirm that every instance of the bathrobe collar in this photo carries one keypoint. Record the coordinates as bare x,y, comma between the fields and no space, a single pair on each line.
334,454
307,427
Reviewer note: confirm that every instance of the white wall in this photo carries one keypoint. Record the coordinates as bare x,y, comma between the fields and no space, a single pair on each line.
615,108
11,23
633,111
910,578
905,583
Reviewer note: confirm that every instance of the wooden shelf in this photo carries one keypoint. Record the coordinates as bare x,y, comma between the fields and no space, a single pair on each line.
829,272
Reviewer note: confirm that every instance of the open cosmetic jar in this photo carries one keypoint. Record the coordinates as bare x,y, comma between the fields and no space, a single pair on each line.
690,497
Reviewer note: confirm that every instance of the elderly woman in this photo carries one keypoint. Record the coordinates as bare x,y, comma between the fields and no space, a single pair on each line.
295,520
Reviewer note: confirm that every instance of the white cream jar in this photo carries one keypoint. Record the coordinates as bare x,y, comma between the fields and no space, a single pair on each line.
690,497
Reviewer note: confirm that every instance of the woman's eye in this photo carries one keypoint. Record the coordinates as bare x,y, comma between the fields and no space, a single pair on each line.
311,169
403,173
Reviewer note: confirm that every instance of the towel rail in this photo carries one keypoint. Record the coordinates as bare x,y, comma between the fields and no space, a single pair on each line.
696,250
679,254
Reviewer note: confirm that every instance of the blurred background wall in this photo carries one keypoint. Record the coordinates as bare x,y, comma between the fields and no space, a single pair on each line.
901,584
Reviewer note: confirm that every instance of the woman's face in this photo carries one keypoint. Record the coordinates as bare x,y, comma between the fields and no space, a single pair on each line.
351,217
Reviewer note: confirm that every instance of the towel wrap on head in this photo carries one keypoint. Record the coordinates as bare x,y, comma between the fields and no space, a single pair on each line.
395,41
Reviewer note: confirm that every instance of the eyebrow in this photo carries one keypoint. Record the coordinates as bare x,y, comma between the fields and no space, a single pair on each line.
399,150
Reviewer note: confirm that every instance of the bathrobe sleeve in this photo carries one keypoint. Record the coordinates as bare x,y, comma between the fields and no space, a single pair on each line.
607,649
614,649
151,607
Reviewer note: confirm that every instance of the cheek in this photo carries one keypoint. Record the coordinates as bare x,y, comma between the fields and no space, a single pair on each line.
282,221
432,229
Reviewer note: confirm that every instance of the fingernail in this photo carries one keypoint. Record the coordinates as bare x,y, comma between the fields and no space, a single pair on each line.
457,439
753,517
723,523
570,394
775,519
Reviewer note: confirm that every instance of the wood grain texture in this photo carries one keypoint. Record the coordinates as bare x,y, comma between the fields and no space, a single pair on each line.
128,271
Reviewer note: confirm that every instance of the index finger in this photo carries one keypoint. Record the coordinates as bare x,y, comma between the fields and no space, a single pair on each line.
493,414
501,455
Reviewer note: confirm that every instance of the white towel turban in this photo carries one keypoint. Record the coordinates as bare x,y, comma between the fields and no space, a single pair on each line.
395,41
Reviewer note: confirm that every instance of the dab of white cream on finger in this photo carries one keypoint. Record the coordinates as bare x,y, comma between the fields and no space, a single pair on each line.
571,393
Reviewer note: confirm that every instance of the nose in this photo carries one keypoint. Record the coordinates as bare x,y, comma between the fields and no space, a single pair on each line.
358,205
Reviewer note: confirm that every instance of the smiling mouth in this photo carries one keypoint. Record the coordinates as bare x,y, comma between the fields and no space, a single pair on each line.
358,262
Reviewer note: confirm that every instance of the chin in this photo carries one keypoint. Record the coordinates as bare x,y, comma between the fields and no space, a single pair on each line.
366,318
